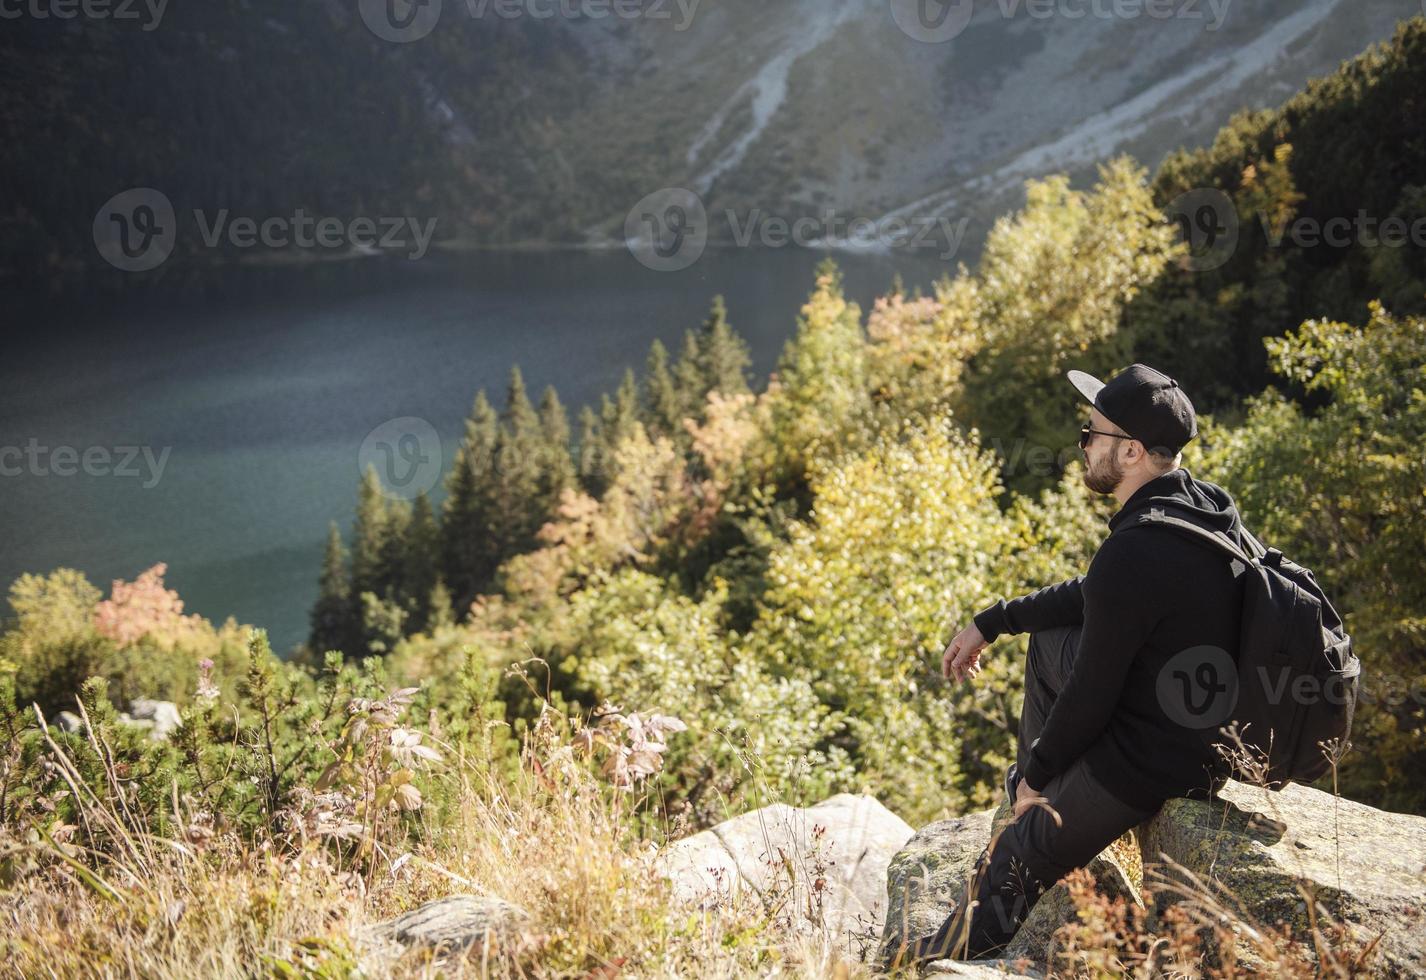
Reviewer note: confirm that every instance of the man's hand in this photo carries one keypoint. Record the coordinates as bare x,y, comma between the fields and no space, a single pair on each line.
1025,797
962,657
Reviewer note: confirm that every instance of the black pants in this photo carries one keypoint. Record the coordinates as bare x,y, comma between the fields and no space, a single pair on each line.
1033,852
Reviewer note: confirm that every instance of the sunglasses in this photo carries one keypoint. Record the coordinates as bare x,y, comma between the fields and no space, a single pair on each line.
1086,433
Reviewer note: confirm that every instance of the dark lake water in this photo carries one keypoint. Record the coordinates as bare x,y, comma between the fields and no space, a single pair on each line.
248,399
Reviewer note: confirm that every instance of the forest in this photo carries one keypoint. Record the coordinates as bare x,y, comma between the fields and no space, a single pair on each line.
772,566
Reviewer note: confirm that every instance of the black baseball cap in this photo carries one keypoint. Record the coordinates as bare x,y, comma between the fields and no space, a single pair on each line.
1145,403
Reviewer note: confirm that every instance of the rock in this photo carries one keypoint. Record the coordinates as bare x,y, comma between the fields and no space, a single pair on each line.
1368,868
68,721
979,969
161,717
459,922
846,842
931,875
1368,865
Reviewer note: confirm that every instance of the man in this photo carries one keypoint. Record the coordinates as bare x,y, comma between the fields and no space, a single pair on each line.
1105,734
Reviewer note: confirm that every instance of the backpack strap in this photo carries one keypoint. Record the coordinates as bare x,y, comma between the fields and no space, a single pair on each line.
1162,517
1254,545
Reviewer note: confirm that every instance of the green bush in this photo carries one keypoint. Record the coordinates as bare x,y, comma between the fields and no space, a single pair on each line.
1342,489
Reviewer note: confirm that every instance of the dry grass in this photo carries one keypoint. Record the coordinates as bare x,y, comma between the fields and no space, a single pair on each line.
1205,933
554,839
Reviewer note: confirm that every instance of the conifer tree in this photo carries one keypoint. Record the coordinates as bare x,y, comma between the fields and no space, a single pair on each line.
420,561
557,471
378,543
391,579
625,406
468,554
519,415
618,416
722,355
516,508
370,531
688,376
662,409
589,461
331,617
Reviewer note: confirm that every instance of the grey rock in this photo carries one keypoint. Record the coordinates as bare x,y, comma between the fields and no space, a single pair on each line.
930,877
455,923
68,721
845,842
160,717
980,969
1368,866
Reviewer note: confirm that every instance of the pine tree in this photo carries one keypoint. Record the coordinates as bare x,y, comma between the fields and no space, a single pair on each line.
516,508
626,404
392,575
331,616
370,532
662,411
617,419
378,537
420,560
722,355
590,458
519,415
688,377
557,471
468,553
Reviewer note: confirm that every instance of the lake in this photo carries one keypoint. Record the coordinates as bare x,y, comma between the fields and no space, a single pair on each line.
216,425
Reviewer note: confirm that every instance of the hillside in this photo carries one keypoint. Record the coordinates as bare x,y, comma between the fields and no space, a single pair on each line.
696,640
520,129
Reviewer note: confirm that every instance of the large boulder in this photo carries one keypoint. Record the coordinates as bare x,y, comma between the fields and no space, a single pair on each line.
829,860
1366,866
929,879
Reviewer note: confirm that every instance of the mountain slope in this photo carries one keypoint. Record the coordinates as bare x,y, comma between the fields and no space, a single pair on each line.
525,129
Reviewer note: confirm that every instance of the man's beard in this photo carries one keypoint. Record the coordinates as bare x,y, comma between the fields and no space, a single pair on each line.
1106,477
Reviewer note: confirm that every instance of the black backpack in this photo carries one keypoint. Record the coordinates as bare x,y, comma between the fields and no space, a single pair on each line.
1297,677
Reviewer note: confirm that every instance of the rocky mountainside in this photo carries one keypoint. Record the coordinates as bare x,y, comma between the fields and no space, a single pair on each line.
546,120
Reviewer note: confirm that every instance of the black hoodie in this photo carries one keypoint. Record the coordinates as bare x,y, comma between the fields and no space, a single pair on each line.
1150,593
